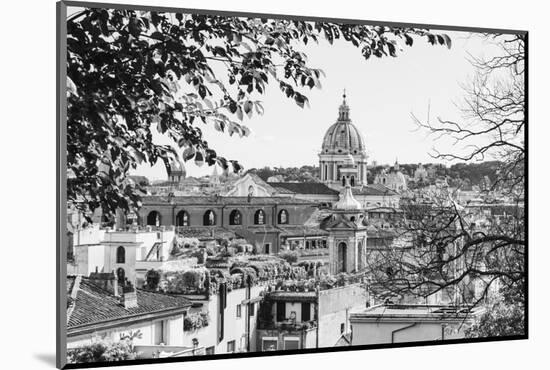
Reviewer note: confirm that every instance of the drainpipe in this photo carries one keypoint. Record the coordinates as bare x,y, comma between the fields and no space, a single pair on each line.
401,329
248,291
317,318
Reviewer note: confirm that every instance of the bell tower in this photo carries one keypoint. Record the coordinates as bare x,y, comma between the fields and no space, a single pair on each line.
347,240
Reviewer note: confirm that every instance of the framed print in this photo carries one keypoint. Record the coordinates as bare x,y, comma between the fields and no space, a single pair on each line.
237,184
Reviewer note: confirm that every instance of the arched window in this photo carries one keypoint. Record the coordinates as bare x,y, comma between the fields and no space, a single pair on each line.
259,217
182,218
250,190
343,180
235,217
153,218
283,217
352,182
342,255
120,255
326,171
120,275
209,218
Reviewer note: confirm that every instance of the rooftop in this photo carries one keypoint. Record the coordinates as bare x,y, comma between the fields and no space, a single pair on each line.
205,232
316,188
299,230
373,189
219,200
92,305
292,296
416,312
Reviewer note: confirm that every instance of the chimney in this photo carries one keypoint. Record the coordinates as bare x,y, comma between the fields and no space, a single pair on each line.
129,298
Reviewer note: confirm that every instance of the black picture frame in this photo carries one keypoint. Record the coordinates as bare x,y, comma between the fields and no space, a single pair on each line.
61,175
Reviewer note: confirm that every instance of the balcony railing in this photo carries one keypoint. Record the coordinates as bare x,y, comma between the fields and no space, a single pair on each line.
287,325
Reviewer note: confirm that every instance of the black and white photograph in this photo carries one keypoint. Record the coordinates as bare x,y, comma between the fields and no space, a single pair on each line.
251,184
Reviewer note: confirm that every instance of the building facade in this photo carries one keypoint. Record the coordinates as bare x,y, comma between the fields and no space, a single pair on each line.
98,308
391,323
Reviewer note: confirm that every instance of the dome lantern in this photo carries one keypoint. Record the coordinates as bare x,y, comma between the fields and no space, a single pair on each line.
343,111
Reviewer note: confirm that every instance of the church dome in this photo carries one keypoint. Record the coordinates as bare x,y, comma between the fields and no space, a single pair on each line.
343,136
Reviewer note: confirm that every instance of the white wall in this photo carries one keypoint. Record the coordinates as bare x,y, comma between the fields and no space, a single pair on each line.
129,264
173,333
87,258
234,328
381,332
89,235
334,307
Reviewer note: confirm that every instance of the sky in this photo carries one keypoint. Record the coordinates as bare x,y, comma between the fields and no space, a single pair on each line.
382,95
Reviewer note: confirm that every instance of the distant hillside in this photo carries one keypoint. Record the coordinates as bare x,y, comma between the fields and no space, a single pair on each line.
301,174
459,174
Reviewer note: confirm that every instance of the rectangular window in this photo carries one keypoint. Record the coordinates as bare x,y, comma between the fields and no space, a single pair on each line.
292,343
211,350
306,311
231,346
281,314
342,328
238,310
266,248
269,344
251,309
158,332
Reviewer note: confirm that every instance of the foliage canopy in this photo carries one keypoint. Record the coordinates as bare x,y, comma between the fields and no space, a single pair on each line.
130,73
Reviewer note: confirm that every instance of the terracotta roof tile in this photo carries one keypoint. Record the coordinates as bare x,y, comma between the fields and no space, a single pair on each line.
299,230
94,305
219,200
305,187
373,189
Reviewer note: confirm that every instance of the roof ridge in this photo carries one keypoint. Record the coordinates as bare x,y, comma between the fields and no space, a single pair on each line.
74,293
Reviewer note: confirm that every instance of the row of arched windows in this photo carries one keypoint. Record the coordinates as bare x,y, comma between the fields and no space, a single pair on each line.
209,218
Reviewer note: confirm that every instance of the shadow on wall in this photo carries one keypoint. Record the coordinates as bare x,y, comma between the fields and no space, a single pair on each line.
46,358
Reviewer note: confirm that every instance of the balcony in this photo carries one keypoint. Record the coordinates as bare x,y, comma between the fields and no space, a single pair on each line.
287,325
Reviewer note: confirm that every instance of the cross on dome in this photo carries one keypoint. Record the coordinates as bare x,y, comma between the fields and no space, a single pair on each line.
343,111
